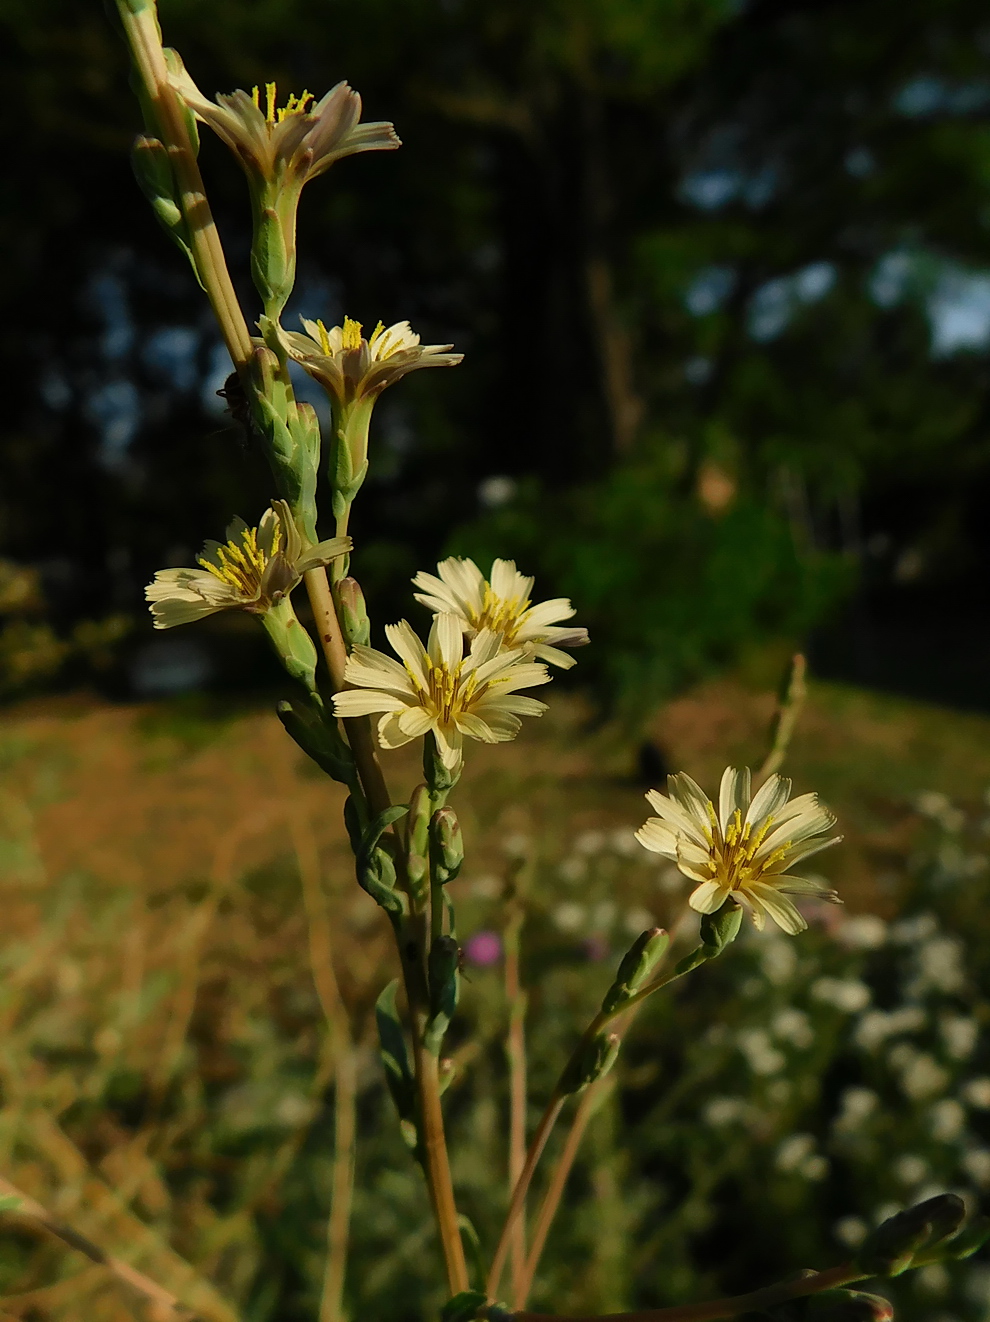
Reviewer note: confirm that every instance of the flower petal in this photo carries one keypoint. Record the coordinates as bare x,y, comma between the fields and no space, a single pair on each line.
408,647
733,795
707,897
363,702
768,799
657,838
783,912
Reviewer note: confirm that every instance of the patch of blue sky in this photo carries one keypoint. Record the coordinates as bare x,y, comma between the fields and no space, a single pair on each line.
709,290
108,295
172,353
956,301
775,303
930,94
114,408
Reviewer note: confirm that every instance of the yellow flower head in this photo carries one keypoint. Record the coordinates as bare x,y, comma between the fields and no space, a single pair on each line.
441,689
744,849
290,144
352,368
503,605
254,570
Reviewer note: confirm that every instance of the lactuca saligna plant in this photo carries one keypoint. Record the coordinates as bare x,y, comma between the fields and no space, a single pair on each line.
489,640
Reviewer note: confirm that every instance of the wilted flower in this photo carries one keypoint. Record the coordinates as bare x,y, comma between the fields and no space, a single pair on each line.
437,688
745,848
280,150
294,143
502,603
253,571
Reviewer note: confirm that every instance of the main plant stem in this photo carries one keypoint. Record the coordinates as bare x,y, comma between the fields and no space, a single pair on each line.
437,1163
145,42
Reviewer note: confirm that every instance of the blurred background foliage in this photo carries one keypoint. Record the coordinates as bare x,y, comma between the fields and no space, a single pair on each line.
720,274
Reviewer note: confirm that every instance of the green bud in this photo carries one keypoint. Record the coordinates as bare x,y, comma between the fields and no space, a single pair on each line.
353,612
292,642
637,965
153,172
969,1240
319,739
417,849
721,928
438,778
446,846
375,866
592,1062
272,270
894,1245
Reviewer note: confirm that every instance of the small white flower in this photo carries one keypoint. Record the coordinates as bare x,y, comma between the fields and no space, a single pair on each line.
845,994
725,1111
851,1231
946,1120
254,570
761,1056
603,916
437,688
793,1151
877,1025
910,1169
959,1034
976,1164
977,1093
855,1107
793,1026
934,1279
906,931
569,917
921,1075
745,848
635,921
863,931
940,965
590,842
502,603
573,869
778,960
623,842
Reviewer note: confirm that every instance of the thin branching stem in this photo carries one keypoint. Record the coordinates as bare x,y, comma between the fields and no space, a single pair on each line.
33,1212
515,1050
756,1301
787,717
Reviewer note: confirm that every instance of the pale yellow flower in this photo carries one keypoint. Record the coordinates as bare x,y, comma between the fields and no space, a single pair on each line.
294,143
352,368
501,603
440,689
254,570
744,849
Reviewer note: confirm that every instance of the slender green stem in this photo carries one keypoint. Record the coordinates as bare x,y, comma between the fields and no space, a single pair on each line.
756,1301
790,710
144,39
543,1131
515,1050
555,1191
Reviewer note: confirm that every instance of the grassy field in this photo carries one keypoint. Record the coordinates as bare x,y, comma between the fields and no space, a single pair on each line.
159,954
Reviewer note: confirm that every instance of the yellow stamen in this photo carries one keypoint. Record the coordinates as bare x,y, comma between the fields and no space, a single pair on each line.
270,94
325,339
500,614
351,334
242,564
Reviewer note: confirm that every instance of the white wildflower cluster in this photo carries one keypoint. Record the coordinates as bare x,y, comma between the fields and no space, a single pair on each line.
797,1156
846,994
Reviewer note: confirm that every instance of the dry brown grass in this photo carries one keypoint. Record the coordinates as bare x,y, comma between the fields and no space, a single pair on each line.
153,930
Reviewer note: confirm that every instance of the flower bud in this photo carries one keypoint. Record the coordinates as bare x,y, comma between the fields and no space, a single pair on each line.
446,846
318,739
637,964
272,270
292,642
720,929
848,1306
417,848
893,1246
353,612
592,1062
